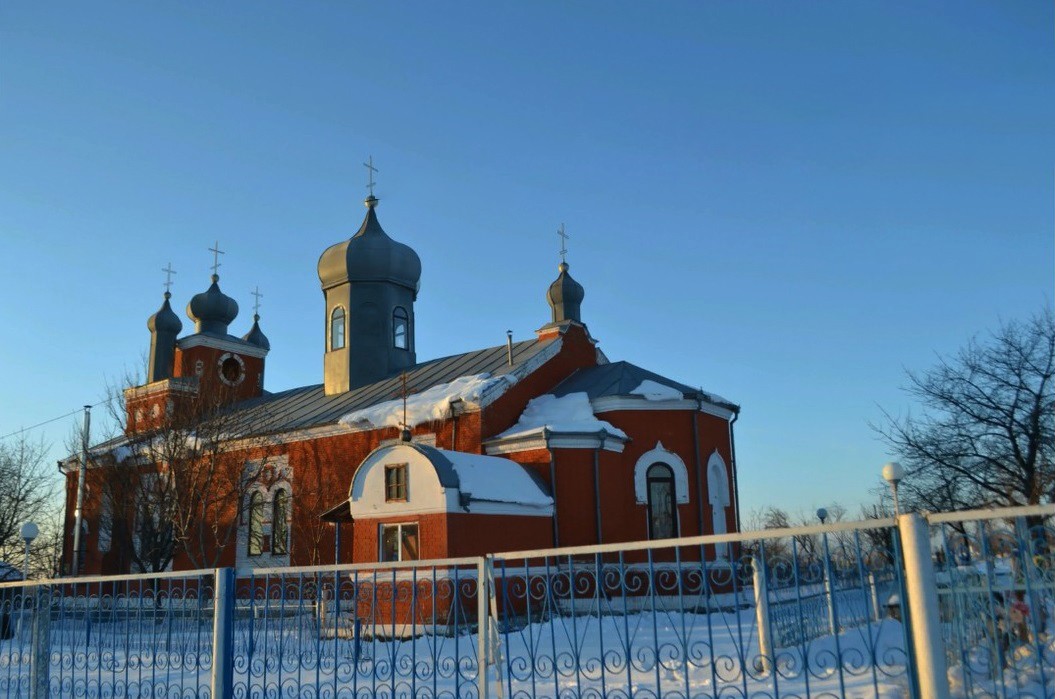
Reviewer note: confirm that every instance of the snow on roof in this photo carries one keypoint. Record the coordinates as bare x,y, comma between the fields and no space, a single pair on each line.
567,414
496,479
431,404
652,390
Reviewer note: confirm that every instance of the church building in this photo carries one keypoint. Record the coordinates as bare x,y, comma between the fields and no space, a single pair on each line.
538,443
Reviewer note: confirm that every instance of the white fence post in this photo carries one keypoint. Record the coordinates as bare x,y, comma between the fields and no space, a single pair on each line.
765,643
222,683
921,588
829,592
874,593
483,628
40,655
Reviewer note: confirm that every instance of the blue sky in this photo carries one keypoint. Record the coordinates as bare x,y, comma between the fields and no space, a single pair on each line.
784,203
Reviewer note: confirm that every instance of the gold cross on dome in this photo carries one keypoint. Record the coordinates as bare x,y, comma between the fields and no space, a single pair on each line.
256,304
216,252
168,276
563,242
370,169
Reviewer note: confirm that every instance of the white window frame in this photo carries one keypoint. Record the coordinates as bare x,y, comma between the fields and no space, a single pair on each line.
399,533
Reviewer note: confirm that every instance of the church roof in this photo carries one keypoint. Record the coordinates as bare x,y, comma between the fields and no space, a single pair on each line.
309,406
625,379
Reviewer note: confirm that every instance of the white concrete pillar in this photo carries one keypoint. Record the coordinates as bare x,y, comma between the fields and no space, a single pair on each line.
921,587
761,586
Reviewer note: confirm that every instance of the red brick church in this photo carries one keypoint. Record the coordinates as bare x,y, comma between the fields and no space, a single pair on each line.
538,443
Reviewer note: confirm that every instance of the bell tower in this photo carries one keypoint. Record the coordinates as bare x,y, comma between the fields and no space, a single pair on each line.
369,283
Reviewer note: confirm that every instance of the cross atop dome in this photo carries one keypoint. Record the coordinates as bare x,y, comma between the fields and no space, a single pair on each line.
564,237
216,252
168,276
370,170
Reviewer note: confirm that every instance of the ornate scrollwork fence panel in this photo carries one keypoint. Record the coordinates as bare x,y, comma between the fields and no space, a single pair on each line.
380,630
995,572
813,611
114,636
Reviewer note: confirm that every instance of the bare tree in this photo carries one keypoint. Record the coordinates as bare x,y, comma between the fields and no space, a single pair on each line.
27,493
986,433
176,482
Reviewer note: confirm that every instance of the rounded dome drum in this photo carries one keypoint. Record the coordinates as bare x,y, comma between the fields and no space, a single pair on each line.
370,256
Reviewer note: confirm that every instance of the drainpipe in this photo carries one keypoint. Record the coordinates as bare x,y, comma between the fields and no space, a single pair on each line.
597,482
732,455
696,457
552,486
455,407
78,512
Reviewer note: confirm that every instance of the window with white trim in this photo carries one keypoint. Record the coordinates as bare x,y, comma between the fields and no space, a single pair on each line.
400,328
255,514
280,522
398,542
662,516
337,328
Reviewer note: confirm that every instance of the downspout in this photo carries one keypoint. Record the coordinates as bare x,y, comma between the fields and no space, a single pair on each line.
597,482
455,408
696,457
732,455
78,512
552,486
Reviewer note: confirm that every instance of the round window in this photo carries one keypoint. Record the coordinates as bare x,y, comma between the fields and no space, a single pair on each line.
232,369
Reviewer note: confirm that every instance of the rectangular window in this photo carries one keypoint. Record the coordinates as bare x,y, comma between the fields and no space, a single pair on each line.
399,542
396,483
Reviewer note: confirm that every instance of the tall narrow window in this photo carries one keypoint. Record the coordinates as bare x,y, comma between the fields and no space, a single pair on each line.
662,521
400,328
106,520
399,542
280,523
256,524
396,483
337,329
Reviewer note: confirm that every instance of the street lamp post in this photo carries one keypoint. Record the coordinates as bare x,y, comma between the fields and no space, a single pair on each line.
893,474
29,532
822,514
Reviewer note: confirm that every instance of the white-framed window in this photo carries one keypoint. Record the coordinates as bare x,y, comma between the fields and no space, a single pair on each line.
106,520
400,328
662,512
398,542
255,516
280,522
337,328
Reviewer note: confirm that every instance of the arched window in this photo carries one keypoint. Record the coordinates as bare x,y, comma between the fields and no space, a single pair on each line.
256,524
280,522
400,328
662,522
337,329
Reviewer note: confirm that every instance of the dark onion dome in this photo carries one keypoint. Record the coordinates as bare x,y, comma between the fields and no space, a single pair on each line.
370,256
256,336
212,310
165,320
564,296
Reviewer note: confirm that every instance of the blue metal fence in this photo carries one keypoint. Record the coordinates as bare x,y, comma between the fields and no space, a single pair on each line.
996,594
805,612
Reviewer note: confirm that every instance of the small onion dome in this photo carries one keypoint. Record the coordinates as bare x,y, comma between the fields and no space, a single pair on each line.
370,256
212,311
165,320
256,336
564,296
